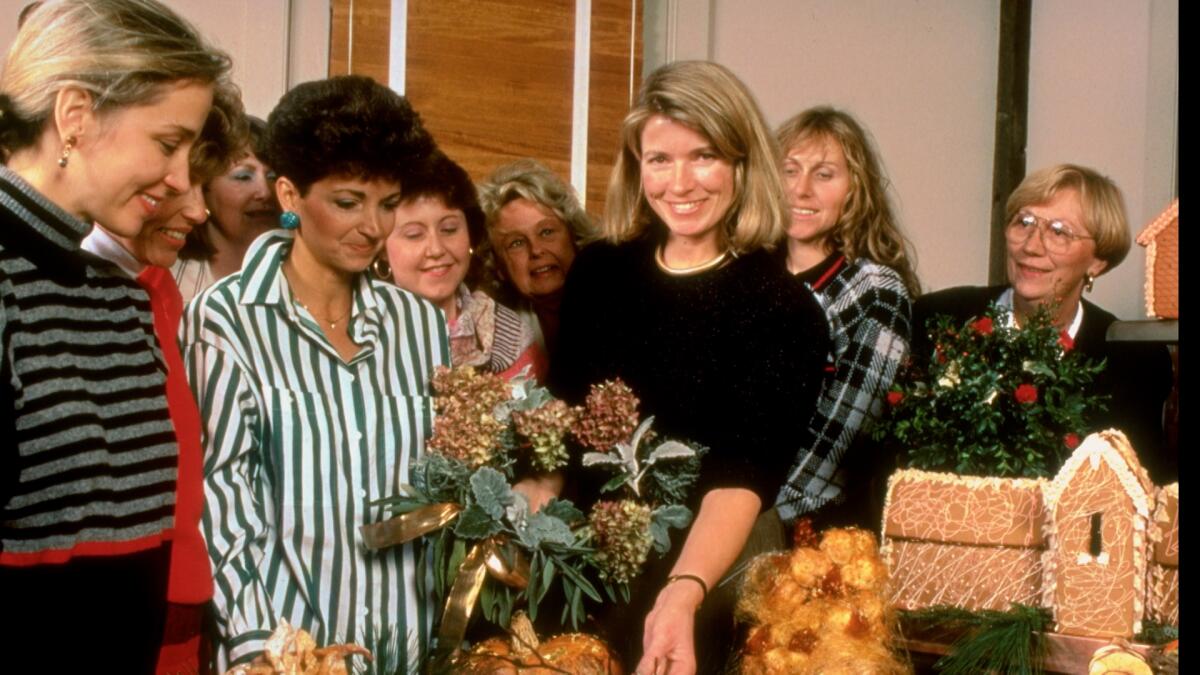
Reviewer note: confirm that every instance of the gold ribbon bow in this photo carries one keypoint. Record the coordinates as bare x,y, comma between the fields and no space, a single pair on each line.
408,526
484,559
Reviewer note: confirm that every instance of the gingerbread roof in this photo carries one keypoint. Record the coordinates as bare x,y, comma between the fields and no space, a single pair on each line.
1113,447
1160,222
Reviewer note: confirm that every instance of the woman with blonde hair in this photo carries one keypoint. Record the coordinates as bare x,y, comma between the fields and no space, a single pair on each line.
535,227
683,301
100,104
1066,226
845,243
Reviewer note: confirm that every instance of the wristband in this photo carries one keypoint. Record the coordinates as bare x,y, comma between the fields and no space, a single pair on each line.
691,577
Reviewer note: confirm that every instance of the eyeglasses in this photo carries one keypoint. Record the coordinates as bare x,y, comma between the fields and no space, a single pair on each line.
1056,235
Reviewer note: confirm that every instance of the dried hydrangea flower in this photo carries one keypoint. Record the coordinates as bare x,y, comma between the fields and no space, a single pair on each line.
466,427
621,535
608,417
545,429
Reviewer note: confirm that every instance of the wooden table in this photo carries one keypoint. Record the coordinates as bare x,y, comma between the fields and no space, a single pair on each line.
1064,653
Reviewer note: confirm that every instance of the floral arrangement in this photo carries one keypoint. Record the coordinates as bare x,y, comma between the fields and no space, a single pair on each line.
994,399
487,545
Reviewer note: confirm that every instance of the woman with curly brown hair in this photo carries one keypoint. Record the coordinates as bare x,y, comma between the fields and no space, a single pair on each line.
312,379
845,243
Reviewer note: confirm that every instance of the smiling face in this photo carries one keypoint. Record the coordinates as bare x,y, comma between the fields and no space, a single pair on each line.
818,183
534,247
163,236
344,221
1038,276
126,162
242,201
430,250
686,182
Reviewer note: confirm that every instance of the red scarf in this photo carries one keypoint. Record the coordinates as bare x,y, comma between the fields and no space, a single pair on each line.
190,585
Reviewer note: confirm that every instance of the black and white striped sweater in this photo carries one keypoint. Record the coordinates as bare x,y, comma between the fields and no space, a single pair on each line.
87,452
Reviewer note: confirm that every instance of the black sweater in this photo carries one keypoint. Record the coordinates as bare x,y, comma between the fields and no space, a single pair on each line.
732,357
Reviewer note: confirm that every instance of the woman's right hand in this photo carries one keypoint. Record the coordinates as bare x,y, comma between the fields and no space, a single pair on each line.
668,642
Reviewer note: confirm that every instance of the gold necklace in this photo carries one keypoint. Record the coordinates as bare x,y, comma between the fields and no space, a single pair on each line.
332,324
685,271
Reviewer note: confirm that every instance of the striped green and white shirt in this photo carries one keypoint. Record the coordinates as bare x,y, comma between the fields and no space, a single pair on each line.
297,444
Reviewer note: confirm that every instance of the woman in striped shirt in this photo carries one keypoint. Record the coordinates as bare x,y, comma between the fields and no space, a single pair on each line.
312,380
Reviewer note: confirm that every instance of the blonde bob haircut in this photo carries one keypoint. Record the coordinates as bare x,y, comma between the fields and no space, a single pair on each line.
867,227
711,100
122,52
1101,201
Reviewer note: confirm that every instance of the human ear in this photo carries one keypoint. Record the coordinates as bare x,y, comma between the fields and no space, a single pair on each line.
74,113
287,193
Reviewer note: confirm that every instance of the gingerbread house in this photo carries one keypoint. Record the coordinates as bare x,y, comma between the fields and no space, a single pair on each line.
944,533
1099,508
1082,544
1162,600
1161,239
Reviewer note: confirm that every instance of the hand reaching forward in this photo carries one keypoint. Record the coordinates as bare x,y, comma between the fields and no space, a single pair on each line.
668,643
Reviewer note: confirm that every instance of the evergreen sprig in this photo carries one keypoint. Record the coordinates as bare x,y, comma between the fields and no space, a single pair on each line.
1011,642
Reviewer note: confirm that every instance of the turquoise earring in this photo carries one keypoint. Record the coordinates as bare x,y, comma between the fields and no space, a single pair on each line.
288,220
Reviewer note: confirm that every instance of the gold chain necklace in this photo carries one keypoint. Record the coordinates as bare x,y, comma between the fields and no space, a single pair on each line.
685,271
332,324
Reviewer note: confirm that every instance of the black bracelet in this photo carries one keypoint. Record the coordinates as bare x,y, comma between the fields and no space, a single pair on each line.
703,586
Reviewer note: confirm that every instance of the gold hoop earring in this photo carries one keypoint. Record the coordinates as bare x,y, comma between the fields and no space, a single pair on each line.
381,269
68,146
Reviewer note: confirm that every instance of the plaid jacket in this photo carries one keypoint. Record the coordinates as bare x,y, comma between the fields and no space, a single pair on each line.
869,313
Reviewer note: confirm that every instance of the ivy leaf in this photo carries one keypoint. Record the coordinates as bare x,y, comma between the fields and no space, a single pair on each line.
492,493
476,523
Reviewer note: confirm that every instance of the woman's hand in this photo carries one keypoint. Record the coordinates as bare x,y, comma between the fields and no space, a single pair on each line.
667,643
540,489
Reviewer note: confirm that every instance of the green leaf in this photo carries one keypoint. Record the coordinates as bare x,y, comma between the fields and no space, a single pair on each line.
541,528
492,493
670,450
564,510
615,482
674,515
660,537
475,523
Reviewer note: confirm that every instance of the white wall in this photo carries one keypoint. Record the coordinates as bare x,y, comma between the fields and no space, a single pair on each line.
1103,93
274,44
921,75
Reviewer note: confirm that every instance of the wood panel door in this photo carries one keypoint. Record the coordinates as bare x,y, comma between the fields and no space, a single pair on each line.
497,80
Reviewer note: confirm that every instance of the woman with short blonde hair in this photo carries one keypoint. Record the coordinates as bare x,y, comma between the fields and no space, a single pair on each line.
1066,226
686,305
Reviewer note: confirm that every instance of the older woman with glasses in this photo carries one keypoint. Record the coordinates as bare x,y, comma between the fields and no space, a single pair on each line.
1066,227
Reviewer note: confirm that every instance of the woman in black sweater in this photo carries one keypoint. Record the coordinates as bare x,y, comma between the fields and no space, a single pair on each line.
683,301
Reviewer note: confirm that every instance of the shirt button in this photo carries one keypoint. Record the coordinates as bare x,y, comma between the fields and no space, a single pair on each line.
365,611
362,493
355,436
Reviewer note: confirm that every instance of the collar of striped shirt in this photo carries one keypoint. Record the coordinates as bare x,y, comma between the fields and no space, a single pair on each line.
263,283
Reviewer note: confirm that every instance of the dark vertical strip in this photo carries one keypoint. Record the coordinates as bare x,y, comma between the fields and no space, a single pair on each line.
1012,117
